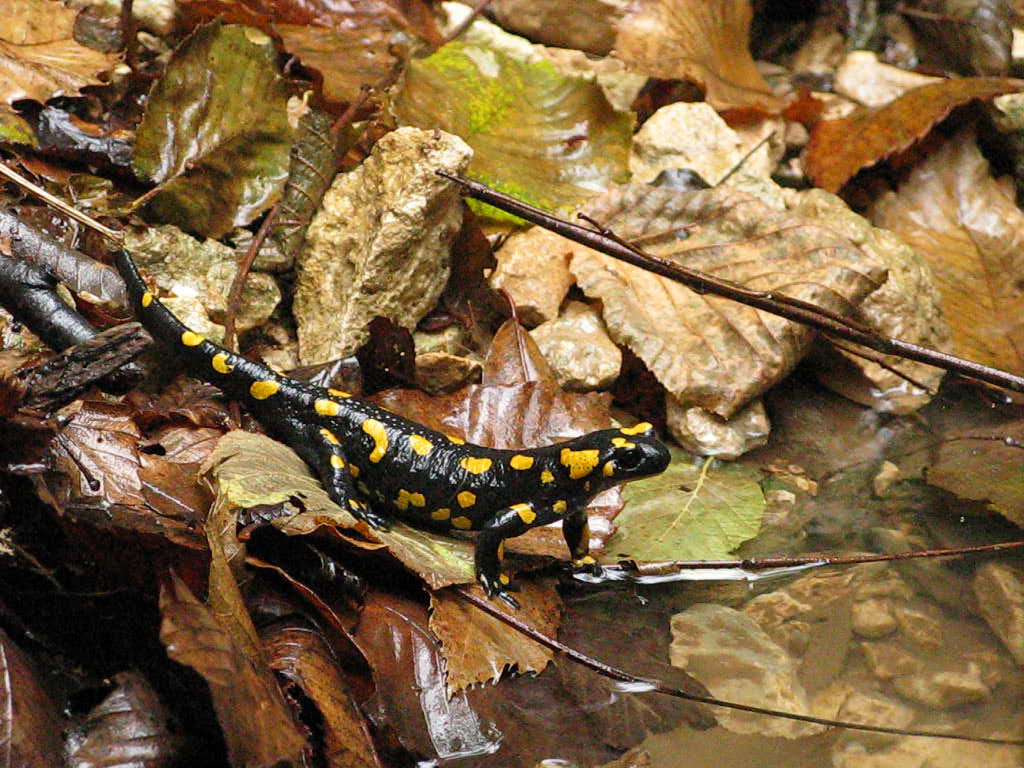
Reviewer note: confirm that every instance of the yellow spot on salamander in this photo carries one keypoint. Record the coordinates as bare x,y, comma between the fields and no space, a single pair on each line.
456,440
326,407
519,461
525,512
337,462
504,579
475,466
261,390
608,469
376,430
441,514
147,299
353,470
643,428
621,442
560,506
329,436
220,363
585,560
356,504
420,444
192,339
462,523
338,393
547,477
405,499
580,463
466,499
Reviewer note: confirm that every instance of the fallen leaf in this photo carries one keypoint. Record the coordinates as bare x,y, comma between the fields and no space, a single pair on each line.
706,350
478,648
706,43
689,512
215,134
955,215
549,139
971,38
833,159
254,719
29,721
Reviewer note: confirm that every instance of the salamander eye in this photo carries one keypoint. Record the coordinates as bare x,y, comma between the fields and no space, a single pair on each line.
629,459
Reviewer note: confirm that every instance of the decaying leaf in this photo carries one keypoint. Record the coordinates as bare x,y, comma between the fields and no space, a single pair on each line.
39,58
380,244
587,25
689,512
256,723
833,159
983,465
549,139
955,215
703,42
706,350
29,722
216,134
478,648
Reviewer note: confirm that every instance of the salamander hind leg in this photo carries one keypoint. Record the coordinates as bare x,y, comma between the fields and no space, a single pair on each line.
576,530
337,481
506,523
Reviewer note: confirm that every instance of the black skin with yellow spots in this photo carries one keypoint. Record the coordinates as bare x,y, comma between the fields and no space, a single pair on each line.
380,466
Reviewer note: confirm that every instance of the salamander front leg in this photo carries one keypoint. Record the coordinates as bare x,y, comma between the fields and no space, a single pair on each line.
510,521
337,481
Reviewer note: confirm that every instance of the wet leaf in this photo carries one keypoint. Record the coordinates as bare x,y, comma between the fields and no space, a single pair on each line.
14,129
128,728
706,43
983,465
256,724
832,159
972,38
706,350
302,656
956,216
478,647
215,134
29,722
39,58
549,139
689,512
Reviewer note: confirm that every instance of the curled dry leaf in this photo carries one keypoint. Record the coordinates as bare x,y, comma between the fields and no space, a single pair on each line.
478,648
706,43
256,723
39,58
706,350
833,159
955,215
29,722
216,134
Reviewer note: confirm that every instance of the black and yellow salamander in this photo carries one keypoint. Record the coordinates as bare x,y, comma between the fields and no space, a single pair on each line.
380,466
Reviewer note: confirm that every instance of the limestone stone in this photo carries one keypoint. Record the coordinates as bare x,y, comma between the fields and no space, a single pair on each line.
863,78
873,617
380,243
872,708
887,660
928,753
533,268
1000,591
942,690
577,346
707,434
438,372
919,624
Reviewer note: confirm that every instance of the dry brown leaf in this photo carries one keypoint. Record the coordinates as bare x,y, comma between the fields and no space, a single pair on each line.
29,723
705,42
39,58
706,350
833,157
478,648
955,215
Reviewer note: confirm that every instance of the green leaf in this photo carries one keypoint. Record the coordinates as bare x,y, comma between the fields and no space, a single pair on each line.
546,138
215,134
689,512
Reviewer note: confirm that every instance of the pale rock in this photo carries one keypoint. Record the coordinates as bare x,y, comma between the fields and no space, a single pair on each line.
618,84
888,584
942,690
873,618
708,434
929,753
906,306
736,660
438,372
887,660
1000,591
533,269
919,624
577,347
380,243
453,339
862,77
871,708
587,25
883,480
929,575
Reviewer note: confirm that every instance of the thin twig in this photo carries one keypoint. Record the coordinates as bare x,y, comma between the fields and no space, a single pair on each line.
241,273
702,283
657,686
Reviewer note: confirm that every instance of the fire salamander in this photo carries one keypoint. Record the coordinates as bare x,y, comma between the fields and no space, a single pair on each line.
380,466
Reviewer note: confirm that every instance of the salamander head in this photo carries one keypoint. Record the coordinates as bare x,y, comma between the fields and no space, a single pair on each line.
630,453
